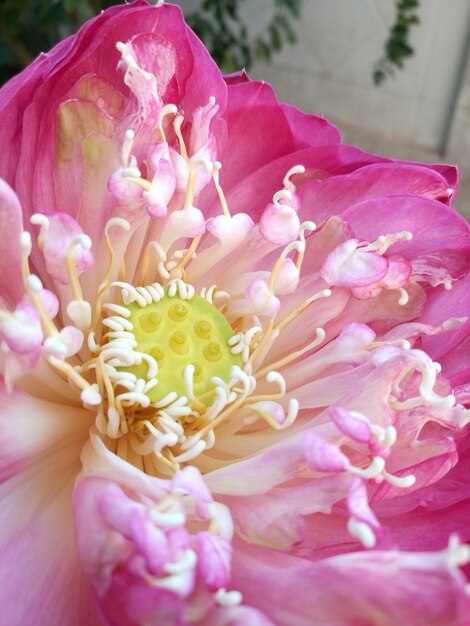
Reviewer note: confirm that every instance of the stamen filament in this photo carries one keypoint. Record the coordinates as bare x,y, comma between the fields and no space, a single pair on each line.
85,242
215,175
177,126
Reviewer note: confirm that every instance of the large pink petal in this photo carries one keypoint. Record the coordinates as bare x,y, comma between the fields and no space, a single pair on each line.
253,111
332,196
360,589
436,229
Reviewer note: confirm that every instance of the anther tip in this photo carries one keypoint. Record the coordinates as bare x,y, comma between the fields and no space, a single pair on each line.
83,240
39,219
25,240
34,283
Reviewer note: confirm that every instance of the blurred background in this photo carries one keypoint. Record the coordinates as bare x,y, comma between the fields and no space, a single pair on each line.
392,74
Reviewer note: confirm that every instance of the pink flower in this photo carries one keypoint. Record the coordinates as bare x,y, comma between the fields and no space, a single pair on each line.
234,352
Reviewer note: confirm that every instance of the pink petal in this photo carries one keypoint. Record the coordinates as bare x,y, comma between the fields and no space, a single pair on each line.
323,456
351,424
332,196
288,278
419,588
260,300
279,224
349,266
214,559
11,224
60,233
22,331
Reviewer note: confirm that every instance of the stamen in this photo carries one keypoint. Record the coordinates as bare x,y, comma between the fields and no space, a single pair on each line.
40,220
142,182
228,598
289,419
177,127
305,226
297,169
85,242
215,175
282,194
295,245
33,288
167,109
72,375
383,242
126,150
399,481
404,297
293,356
189,254
375,468
325,293
26,247
189,197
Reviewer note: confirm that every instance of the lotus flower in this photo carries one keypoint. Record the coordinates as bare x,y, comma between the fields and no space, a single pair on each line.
234,352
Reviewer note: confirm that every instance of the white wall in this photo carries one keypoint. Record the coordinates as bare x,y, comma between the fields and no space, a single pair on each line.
329,71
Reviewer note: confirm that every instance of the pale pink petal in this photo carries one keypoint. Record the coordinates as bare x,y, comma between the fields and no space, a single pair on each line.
39,462
163,180
214,559
72,338
230,230
22,330
260,300
279,224
351,423
287,279
323,456
58,236
348,266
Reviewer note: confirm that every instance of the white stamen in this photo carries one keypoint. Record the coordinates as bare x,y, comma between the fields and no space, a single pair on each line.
192,453
79,311
361,531
400,481
165,401
34,283
458,554
297,169
91,396
117,221
167,519
187,561
275,377
129,136
26,243
228,598
283,194
188,375
116,308
404,297
375,468
55,347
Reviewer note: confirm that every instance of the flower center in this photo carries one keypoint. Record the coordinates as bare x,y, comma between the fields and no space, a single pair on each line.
189,340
